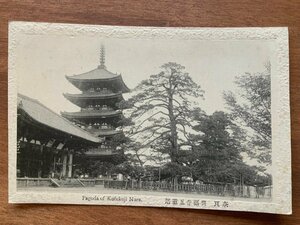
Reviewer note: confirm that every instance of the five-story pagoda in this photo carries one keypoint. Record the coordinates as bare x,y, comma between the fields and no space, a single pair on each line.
100,113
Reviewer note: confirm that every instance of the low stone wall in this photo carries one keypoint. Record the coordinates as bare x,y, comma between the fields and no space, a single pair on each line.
46,182
33,182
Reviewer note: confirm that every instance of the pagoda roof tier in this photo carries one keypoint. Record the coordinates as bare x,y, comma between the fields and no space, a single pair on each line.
104,132
99,75
32,111
113,121
82,100
94,95
98,152
92,114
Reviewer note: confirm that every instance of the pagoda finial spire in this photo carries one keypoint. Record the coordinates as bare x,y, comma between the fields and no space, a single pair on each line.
102,57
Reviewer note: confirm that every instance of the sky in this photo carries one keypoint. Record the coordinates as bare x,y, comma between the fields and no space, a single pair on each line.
43,61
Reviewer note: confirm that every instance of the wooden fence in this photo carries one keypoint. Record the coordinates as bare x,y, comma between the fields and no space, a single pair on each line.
205,189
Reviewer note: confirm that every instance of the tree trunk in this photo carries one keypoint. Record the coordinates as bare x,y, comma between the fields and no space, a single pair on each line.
174,137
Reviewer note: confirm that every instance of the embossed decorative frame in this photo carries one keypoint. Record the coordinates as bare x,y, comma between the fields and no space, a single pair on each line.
281,139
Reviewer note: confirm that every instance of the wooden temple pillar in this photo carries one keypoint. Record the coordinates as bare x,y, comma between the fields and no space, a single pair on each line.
67,165
70,164
40,162
64,166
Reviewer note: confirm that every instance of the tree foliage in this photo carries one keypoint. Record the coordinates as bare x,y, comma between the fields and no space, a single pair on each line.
162,110
251,108
217,157
218,150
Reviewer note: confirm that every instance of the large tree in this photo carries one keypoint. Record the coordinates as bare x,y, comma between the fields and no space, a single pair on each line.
251,108
217,156
219,148
162,108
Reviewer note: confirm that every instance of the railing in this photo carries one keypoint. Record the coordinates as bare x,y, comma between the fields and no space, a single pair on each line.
97,109
102,130
206,189
98,91
96,127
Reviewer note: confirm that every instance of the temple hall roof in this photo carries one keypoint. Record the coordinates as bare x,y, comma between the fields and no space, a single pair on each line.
43,115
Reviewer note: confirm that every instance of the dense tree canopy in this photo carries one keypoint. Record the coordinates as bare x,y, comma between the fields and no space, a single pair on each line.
251,108
162,110
218,150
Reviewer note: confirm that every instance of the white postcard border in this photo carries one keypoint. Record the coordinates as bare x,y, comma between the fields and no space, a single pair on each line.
281,150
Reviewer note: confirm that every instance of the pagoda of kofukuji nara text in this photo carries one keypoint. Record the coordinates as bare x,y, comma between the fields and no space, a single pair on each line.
100,114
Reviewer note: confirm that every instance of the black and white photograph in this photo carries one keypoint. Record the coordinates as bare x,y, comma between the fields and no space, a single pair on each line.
165,117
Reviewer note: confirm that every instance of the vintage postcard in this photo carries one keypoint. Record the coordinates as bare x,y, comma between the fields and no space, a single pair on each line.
146,116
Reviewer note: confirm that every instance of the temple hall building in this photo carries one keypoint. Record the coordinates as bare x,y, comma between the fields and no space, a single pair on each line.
47,142
56,146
